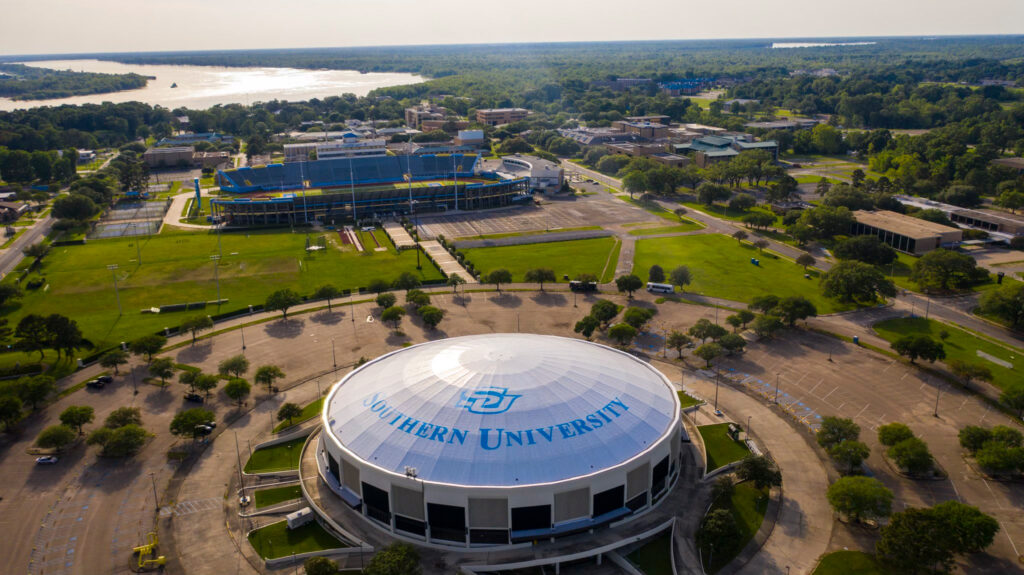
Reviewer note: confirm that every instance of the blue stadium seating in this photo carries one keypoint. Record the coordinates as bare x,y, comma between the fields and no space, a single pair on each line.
341,172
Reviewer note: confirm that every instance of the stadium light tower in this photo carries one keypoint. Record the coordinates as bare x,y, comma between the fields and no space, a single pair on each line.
113,269
455,173
408,178
352,183
216,276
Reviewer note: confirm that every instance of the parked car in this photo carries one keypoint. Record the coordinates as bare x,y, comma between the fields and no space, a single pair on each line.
95,384
194,397
46,460
105,379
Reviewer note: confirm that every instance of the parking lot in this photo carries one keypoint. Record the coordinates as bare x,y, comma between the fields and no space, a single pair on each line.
556,212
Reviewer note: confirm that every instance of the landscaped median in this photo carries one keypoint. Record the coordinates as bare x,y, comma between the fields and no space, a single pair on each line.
655,556
747,505
274,495
308,412
721,448
275,541
283,456
850,563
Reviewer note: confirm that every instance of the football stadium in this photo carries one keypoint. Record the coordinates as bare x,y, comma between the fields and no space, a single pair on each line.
497,439
351,189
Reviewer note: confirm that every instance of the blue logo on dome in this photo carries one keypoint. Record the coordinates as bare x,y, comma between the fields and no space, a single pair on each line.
488,401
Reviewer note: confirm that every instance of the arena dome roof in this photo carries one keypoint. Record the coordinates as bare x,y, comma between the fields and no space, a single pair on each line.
501,410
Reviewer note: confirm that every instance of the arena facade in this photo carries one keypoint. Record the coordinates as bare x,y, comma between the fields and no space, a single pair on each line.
493,440
349,189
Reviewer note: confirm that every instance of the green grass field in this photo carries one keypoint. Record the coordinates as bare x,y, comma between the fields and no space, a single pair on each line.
276,540
594,256
747,505
722,449
850,563
726,213
528,233
308,412
654,557
901,269
687,225
960,345
721,267
278,457
687,401
657,210
275,495
176,268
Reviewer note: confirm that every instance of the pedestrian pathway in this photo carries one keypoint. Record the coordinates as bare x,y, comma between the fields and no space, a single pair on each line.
444,260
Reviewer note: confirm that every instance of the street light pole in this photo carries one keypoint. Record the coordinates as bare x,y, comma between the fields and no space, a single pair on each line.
334,356
156,499
938,392
216,276
113,271
716,389
777,388
241,329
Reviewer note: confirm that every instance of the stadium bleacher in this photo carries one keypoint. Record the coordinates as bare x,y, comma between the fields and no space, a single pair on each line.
342,172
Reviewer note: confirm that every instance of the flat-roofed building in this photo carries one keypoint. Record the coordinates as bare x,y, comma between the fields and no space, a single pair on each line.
544,175
348,148
670,160
636,150
784,124
169,157
905,233
431,125
1016,164
705,129
655,119
648,130
500,116
211,159
989,220
415,115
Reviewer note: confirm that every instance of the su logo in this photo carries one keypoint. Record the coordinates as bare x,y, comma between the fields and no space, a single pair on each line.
488,401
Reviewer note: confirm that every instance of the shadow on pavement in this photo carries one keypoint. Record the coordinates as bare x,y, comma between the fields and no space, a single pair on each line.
284,328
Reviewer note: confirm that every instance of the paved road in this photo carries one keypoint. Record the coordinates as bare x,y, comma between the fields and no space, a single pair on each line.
11,255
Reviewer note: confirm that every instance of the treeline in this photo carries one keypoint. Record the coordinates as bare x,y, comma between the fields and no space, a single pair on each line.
21,82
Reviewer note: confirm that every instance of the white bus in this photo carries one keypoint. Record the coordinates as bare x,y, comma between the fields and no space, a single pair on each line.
660,288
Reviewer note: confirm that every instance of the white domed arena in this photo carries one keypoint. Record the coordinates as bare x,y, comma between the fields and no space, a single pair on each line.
500,439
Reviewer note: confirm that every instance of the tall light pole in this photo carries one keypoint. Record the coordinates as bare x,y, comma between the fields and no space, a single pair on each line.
352,185
777,375
938,392
138,248
716,389
156,500
113,271
216,276
334,356
241,328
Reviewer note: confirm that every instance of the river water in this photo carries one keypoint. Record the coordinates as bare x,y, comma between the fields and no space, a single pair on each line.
200,87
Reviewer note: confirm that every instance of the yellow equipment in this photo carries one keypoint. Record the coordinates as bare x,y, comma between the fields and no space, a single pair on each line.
147,550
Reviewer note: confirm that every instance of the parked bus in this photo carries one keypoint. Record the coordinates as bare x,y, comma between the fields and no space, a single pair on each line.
660,288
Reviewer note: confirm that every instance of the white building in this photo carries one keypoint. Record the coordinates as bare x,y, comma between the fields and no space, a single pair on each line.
346,148
544,175
501,438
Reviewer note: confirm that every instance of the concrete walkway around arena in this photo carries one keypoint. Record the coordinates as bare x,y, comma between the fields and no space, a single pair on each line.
444,260
173,215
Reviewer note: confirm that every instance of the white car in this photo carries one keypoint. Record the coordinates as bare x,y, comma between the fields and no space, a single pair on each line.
46,460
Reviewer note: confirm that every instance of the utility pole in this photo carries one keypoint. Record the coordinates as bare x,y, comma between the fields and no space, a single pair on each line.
938,392
334,356
777,375
113,270
156,500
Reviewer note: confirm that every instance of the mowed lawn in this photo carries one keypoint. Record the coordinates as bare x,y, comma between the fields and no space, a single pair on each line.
275,495
960,345
276,540
278,457
850,563
596,256
720,267
721,447
176,268
747,506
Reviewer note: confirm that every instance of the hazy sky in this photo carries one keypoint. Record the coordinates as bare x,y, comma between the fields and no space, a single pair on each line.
68,26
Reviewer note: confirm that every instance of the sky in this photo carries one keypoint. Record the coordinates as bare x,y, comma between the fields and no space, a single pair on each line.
75,26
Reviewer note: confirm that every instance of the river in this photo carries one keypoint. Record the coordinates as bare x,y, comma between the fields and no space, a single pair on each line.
200,87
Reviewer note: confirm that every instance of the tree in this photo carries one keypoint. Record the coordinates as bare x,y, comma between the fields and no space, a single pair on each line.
912,454
766,325
919,346
708,352
386,300
1013,397
604,311
860,498
77,416
186,423
793,308
704,329
395,559
677,340
75,207
915,541
407,281
629,284
36,389
378,285
393,315
759,470
1007,436
973,437
162,367
835,430
997,458
539,276
416,298
622,333
10,410
745,317
732,343
455,280
742,202
320,566
9,292
656,274
267,375
708,193
851,280
63,335
734,321
893,433
32,334
943,269
124,441
806,260
680,212
431,316
1006,303
764,303
635,182
123,416
498,277
969,371
586,326
114,358
680,277
637,316
205,382
970,530
56,437
740,235
195,324
867,249
761,245
849,453
36,251
288,412
723,488
281,300
719,533
236,365
148,345
237,389
327,292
